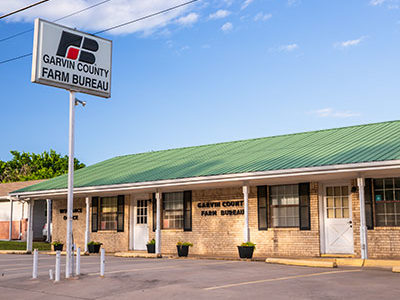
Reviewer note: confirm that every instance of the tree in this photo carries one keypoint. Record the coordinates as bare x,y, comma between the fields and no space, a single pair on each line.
30,166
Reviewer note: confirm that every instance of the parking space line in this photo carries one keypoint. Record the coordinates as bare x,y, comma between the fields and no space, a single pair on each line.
278,279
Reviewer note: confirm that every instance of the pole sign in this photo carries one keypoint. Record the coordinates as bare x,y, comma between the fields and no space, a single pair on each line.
71,59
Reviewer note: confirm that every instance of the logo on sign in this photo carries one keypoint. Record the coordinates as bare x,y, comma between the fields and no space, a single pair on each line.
72,47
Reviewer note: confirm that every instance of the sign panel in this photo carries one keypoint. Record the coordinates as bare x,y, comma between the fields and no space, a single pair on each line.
71,59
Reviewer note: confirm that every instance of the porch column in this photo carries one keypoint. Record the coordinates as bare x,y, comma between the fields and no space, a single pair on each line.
363,227
87,232
49,212
246,213
158,224
29,230
11,220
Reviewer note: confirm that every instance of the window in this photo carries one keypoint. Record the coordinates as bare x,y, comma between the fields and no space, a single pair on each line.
108,213
284,205
337,202
172,214
387,201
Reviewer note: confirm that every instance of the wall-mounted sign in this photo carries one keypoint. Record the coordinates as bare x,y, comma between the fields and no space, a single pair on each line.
71,59
219,204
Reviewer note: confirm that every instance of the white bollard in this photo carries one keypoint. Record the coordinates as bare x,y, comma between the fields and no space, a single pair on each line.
102,261
72,260
58,265
78,261
35,264
51,274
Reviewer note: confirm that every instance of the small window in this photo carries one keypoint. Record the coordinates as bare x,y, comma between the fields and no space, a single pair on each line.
387,201
108,213
262,208
172,210
284,205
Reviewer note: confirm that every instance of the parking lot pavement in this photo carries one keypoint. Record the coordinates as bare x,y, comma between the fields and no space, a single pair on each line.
129,278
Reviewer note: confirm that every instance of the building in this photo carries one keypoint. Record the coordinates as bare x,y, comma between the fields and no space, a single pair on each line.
14,214
306,194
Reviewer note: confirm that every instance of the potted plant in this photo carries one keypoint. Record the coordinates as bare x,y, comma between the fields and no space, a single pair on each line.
151,246
246,250
183,248
94,247
57,246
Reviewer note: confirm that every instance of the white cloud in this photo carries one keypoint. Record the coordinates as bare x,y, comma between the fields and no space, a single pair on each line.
189,19
349,43
376,2
293,2
220,14
228,26
331,113
262,17
288,48
246,3
103,16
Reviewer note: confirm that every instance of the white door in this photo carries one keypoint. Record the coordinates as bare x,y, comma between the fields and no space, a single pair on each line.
141,230
338,220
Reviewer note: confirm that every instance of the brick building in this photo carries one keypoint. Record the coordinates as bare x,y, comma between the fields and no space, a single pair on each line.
334,191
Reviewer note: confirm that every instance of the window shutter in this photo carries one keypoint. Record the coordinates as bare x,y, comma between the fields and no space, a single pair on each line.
262,204
154,206
120,213
369,219
187,210
304,206
95,213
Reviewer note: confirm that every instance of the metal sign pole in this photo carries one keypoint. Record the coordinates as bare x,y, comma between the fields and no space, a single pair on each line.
70,201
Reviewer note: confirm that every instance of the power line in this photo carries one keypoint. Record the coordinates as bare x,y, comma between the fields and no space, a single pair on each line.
117,26
62,18
22,9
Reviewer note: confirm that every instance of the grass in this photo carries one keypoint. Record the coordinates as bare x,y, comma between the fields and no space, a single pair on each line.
14,245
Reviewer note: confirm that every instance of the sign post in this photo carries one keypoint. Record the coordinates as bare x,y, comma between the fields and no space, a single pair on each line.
78,62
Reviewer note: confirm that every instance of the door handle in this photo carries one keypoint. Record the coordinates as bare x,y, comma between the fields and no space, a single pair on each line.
350,222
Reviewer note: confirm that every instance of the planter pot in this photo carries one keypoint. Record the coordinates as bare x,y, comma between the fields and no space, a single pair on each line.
245,251
58,247
151,248
94,248
182,251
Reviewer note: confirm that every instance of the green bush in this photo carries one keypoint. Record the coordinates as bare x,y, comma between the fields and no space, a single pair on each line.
184,244
95,243
152,242
57,243
248,244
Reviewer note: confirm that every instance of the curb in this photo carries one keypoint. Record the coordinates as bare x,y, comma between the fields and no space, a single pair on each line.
304,263
14,252
396,269
62,253
136,255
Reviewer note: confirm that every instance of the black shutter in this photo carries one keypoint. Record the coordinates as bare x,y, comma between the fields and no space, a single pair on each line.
120,213
95,214
154,206
187,210
262,205
369,219
304,206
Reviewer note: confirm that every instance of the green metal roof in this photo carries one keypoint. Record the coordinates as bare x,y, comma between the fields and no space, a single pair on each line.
354,144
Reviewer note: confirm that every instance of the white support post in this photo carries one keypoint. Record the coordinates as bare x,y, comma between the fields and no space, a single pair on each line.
29,230
78,261
58,266
48,238
363,227
35,264
102,261
246,213
70,199
158,224
87,229
11,220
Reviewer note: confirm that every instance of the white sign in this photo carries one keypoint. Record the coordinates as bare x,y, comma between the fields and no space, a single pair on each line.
71,59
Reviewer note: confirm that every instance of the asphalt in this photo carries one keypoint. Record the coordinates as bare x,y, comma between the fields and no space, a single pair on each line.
131,278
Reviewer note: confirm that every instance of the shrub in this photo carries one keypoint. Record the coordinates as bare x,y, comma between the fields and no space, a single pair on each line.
248,244
152,242
184,244
95,243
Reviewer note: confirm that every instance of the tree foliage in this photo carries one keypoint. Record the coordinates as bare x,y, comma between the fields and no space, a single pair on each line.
30,166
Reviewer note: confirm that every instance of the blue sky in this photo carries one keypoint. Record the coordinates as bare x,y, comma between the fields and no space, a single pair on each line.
214,71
